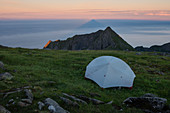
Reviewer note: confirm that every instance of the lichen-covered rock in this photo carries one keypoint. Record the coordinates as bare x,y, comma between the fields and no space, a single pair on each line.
5,76
54,107
147,102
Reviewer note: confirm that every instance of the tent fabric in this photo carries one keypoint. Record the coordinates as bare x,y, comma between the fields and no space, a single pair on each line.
109,71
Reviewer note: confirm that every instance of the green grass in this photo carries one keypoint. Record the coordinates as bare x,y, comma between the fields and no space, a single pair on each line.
67,68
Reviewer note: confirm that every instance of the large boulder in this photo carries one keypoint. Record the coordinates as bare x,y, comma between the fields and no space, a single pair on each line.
147,102
5,76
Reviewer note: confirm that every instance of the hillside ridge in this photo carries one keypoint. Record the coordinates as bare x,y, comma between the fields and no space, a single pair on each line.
159,48
100,40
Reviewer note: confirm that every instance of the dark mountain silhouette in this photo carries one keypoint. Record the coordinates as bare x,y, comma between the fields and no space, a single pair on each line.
161,48
101,40
92,24
1,46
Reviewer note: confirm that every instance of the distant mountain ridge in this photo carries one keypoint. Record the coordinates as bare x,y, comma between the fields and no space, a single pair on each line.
162,48
101,40
92,24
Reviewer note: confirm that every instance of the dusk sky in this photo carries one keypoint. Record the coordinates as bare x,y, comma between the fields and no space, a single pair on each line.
85,9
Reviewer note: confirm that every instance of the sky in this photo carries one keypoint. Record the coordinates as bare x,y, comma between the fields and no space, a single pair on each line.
85,9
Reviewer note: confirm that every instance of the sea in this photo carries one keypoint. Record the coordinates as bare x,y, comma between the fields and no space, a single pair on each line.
36,33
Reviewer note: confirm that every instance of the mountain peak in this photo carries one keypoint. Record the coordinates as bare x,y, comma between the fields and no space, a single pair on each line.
92,24
107,39
108,29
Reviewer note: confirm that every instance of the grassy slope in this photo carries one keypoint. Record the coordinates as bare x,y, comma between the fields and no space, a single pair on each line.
37,67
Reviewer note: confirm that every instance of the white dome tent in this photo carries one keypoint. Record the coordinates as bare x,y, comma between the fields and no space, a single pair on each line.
109,71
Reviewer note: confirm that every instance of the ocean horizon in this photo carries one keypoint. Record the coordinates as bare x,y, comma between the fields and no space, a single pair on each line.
36,33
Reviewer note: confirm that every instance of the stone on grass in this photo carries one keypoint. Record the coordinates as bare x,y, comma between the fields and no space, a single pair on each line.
54,107
3,110
10,101
29,94
147,102
109,102
40,105
69,102
94,101
23,104
28,101
74,98
5,76
1,65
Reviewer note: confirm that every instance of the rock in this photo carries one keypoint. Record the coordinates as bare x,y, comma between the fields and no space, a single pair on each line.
147,102
29,94
139,53
28,101
54,107
23,104
69,102
1,65
148,95
10,101
6,76
40,105
87,99
75,99
94,95
109,102
3,110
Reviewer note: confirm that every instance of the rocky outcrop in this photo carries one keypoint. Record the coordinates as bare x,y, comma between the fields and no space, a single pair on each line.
147,102
54,107
100,40
162,48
